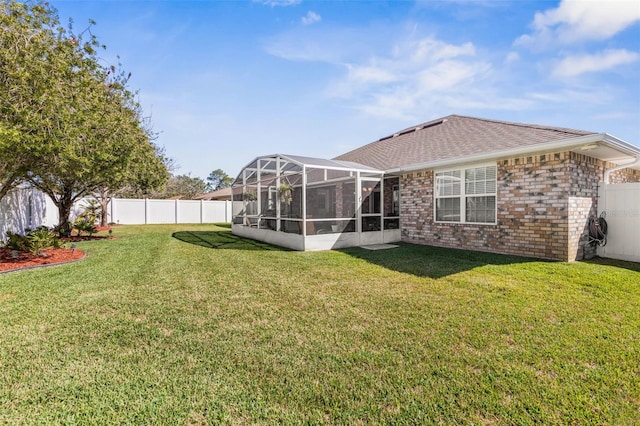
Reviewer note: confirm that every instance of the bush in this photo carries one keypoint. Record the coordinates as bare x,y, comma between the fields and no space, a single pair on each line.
92,212
84,225
34,242
17,241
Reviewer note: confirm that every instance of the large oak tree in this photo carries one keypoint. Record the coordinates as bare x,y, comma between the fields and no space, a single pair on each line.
26,36
80,129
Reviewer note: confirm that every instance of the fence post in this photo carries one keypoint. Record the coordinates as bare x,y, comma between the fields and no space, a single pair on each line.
146,211
177,211
112,206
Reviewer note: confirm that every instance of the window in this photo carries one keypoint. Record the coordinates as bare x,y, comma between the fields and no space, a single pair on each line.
468,200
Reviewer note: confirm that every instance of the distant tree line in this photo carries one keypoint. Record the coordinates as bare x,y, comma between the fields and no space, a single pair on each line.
185,186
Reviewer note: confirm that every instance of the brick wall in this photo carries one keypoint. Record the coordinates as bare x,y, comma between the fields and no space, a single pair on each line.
624,176
586,174
543,206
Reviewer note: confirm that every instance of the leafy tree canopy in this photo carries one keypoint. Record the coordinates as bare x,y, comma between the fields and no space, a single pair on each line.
79,129
183,186
218,179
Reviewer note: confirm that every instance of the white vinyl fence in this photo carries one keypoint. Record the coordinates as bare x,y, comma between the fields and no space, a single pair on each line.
26,208
146,211
621,204
29,208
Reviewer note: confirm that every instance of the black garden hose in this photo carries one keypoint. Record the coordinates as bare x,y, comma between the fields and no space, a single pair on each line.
598,230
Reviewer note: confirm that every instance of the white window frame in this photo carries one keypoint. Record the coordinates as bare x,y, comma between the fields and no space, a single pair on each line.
462,196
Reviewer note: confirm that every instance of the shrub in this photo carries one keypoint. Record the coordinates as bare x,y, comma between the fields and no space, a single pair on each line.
92,212
17,241
84,225
34,242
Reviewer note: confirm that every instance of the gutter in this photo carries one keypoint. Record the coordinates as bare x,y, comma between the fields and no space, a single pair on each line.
607,172
562,144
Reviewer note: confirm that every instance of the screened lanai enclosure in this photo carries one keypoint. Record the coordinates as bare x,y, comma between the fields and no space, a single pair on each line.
315,204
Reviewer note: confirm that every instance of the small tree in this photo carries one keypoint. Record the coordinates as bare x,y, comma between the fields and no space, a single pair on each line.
148,173
218,179
91,213
184,186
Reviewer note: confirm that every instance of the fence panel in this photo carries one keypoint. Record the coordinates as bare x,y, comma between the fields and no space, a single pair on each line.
128,211
189,211
133,212
621,202
215,211
160,211
26,208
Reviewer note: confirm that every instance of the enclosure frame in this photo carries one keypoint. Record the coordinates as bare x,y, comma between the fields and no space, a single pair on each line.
306,203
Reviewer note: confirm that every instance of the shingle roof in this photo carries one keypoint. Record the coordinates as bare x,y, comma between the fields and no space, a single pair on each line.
224,192
452,137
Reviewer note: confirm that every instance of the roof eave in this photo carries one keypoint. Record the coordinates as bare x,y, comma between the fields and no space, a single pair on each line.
563,144
619,144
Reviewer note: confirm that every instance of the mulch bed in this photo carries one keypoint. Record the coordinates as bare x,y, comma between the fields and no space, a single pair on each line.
26,260
50,257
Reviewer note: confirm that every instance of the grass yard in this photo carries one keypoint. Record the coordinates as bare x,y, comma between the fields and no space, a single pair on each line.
182,324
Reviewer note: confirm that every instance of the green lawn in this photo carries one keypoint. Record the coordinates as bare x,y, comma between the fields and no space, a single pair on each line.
182,324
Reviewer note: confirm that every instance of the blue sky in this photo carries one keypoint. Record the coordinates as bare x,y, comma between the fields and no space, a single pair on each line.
227,81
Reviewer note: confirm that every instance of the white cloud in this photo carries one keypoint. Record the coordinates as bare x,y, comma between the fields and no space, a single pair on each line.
400,77
274,3
580,20
449,75
512,57
398,105
412,76
573,97
404,74
370,74
412,62
572,66
419,71
317,44
311,18
435,50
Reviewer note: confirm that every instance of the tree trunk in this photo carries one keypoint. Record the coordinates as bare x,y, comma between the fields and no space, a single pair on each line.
64,211
104,198
104,203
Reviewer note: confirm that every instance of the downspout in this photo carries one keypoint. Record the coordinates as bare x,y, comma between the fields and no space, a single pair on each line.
607,173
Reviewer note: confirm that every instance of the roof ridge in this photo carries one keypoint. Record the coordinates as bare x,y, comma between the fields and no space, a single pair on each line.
417,127
526,125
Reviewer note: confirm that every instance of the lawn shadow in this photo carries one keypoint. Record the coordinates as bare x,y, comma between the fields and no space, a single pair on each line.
223,240
632,266
432,262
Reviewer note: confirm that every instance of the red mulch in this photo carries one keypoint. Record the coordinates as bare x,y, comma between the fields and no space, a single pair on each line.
26,260
51,257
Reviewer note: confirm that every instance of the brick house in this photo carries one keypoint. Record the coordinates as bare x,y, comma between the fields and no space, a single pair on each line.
457,181
502,187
